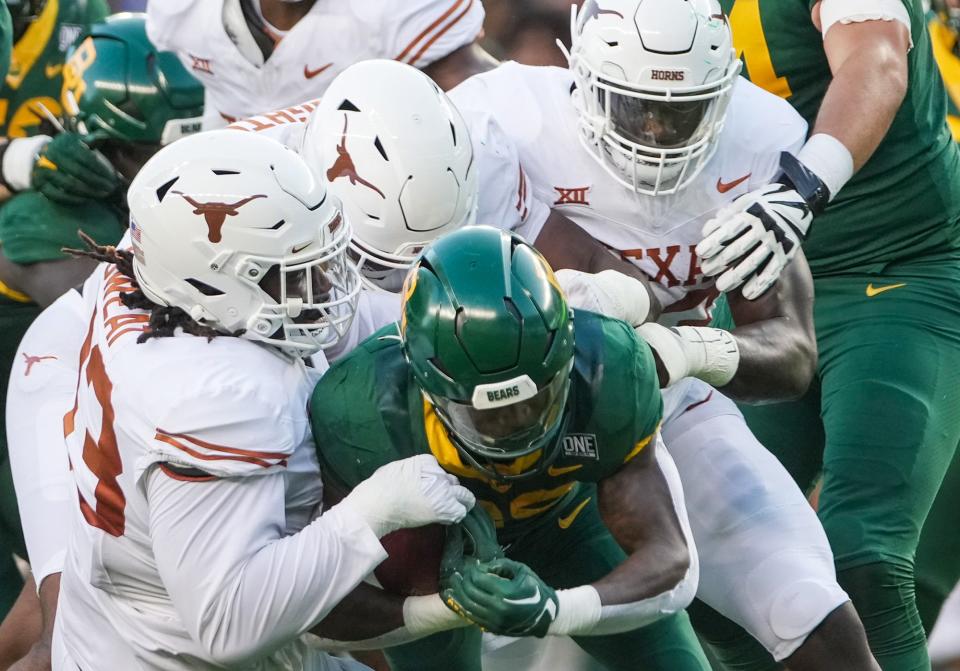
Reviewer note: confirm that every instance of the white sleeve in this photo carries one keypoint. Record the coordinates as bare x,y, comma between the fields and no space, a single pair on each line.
286,126
165,21
225,424
212,118
43,383
506,196
773,127
240,586
419,32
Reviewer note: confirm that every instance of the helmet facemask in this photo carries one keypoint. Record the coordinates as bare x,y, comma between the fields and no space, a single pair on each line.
493,433
312,296
652,138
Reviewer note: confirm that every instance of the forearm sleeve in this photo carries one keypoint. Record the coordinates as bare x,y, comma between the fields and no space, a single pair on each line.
241,586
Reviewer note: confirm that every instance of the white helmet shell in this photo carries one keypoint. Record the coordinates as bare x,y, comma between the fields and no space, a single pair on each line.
654,78
397,152
235,230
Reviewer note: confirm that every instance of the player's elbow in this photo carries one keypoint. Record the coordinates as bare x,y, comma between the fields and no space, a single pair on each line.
893,68
802,366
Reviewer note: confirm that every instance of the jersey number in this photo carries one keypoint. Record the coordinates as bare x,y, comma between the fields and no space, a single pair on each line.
100,456
751,44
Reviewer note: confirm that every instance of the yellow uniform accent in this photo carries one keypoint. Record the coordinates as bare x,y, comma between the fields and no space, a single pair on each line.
873,291
638,448
44,162
29,47
73,82
565,522
52,71
13,294
751,44
943,42
531,504
557,471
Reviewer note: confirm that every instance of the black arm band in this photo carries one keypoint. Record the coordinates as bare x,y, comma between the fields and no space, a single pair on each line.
804,182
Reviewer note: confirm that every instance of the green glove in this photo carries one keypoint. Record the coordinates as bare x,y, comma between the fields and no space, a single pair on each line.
502,596
475,537
69,172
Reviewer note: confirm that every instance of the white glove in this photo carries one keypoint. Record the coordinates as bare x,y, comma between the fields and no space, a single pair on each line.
709,354
18,159
608,293
754,238
412,492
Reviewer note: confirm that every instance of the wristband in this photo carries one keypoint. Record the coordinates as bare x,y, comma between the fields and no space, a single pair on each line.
829,159
713,354
578,611
19,155
424,615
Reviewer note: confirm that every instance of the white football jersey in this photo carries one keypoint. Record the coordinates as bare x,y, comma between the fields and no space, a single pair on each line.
194,468
214,44
531,108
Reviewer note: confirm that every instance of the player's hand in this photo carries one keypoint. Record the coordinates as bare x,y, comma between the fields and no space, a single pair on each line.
608,293
504,597
472,540
709,354
412,492
69,172
752,239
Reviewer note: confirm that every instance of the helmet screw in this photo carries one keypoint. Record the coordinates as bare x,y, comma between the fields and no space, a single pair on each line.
214,266
262,327
253,272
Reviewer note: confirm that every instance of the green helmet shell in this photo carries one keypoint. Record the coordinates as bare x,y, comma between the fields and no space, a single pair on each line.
489,338
117,85
6,41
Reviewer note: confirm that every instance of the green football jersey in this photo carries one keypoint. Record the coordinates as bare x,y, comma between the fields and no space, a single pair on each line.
904,204
34,228
367,411
36,65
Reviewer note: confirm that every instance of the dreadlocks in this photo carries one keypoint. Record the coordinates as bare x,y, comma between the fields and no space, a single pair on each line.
164,320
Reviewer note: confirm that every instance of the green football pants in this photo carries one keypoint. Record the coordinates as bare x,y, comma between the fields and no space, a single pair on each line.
882,421
581,553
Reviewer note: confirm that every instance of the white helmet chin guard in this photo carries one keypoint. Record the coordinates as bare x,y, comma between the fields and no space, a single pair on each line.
398,154
235,230
654,78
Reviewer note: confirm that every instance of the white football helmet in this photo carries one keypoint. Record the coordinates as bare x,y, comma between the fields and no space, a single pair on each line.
397,152
235,229
654,78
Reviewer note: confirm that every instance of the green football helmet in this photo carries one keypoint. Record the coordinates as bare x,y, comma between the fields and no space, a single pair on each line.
489,338
118,87
6,41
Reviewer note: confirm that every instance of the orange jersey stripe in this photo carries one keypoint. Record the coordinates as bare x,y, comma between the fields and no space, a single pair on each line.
224,448
427,30
213,457
440,33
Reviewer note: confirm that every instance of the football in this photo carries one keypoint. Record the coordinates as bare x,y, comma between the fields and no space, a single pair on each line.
413,567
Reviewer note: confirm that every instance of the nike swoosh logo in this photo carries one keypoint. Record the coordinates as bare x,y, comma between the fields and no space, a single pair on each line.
557,471
873,291
724,187
52,71
565,522
530,599
310,74
300,249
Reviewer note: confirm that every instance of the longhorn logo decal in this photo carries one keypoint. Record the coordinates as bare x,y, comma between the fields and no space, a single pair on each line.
344,167
216,213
